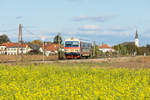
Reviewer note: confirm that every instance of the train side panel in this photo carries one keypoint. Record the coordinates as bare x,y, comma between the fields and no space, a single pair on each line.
86,49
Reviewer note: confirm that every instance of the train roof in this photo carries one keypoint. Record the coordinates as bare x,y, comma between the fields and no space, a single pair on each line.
72,39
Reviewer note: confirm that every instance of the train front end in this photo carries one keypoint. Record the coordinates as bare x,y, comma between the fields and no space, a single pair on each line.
72,48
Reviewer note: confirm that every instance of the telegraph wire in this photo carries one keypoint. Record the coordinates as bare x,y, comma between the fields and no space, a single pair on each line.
25,29
40,36
9,30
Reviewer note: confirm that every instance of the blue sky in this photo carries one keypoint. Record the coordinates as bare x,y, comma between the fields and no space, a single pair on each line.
108,21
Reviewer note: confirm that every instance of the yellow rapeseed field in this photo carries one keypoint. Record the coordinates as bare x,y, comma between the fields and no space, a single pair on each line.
73,82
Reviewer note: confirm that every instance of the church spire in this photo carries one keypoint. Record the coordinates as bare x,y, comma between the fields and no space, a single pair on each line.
136,36
136,39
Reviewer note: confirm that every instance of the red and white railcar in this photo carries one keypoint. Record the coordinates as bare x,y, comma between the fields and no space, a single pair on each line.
75,48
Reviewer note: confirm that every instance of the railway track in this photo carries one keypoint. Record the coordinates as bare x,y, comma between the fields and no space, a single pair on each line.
68,60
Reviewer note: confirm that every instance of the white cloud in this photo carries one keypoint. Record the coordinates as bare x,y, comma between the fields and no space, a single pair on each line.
120,29
77,0
94,18
89,28
106,33
147,31
19,17
115,30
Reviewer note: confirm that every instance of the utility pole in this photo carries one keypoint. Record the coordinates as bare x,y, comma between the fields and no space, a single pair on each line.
59,44
43,39
43,51
94,49
20,43
20,34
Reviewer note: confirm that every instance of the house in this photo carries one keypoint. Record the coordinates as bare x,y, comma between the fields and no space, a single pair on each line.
14,48
51,49
17,48
105,48
2,49
35,49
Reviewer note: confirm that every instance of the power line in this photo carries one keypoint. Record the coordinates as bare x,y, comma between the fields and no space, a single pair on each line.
9,30
37,35
31,32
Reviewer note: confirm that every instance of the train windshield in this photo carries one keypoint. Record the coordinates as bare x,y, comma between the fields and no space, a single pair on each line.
75,44
71,44
68,44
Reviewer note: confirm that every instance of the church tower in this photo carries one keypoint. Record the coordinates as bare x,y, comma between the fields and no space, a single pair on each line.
136,39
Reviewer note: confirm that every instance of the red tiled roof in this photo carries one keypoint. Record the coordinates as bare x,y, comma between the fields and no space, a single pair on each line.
51,47
7,44
104,46
11,44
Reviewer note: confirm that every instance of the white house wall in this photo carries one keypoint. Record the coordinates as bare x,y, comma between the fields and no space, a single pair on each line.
106,49
14,51
2,49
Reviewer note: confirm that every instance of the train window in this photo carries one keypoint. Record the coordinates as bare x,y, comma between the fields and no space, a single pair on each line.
68,44
85,50
75,44
85,45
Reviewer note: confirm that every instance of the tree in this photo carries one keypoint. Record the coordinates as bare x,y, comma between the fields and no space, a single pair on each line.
37,42
95,50
142,50
56,39
131,49
148,49
126,49
4,38
121,49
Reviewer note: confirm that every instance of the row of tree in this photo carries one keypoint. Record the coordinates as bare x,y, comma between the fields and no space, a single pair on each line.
131,49
4,38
